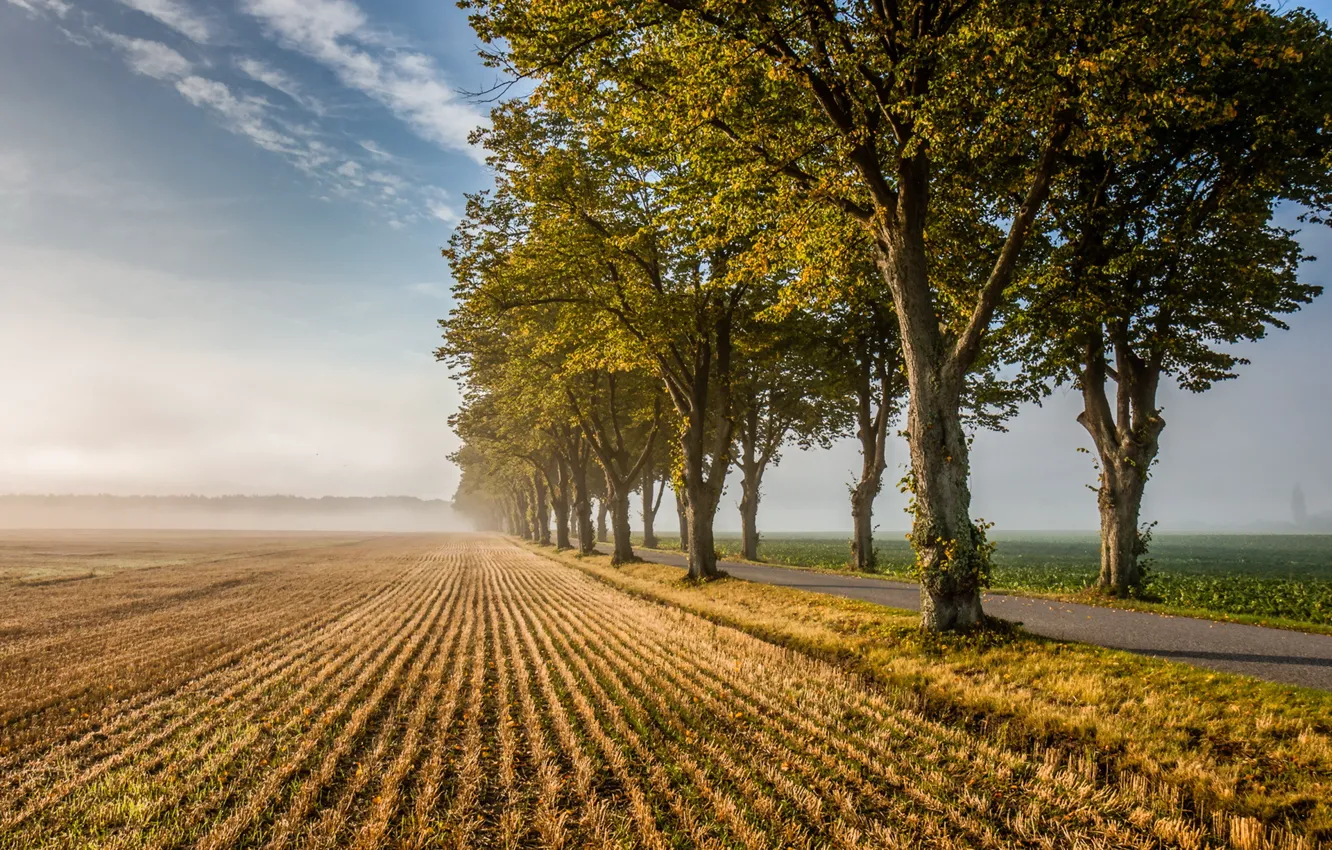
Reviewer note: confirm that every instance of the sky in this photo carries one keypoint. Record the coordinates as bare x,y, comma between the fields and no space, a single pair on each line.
220,226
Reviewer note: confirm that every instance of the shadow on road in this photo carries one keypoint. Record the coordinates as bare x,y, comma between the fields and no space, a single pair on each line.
1240,656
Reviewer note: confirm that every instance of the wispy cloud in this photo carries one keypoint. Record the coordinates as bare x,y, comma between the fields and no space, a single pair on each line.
337,34
376,151
176,15
242,115
39,7
279,81
443,212
149,58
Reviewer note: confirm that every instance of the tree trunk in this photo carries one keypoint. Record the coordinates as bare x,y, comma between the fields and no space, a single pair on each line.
950,549
1127,441
702,547
749,535
561,505
529,515
521,526
602,509
511,524
624,547
751,474
1120,500
682,514
942,534
701,505
587,540
872,431
650,507
542,508
862,521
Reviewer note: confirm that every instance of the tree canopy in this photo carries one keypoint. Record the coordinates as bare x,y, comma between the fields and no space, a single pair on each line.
775,221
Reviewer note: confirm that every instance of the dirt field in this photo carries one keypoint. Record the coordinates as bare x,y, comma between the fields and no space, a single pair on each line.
460,692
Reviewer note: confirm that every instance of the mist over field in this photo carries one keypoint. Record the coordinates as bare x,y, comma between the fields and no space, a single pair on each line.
183,311
268,513
138,393
401,412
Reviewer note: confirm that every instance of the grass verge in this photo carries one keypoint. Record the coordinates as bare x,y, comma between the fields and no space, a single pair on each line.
1083,597
1233,746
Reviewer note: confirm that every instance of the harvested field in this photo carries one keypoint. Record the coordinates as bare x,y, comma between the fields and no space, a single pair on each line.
462,692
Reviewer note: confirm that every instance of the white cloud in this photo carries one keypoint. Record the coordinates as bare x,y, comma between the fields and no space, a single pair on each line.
244,115
443,212
150,58
39,7
341,36
176,15
337,34
385,178
280,82
315,155
241,115
376,151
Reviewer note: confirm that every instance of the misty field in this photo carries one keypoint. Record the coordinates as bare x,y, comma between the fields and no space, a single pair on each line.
1278,576
415,691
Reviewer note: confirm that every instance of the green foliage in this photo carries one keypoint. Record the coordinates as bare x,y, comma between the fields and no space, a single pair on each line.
1163,244
932,190
973,561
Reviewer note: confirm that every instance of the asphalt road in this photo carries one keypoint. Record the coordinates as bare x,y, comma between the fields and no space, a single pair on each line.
1277,655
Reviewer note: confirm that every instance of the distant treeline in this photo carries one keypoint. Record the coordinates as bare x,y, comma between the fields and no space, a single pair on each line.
374,513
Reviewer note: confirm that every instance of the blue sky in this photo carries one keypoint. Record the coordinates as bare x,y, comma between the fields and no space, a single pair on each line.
220,226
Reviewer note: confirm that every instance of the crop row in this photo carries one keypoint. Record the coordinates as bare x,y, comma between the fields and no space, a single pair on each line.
470,694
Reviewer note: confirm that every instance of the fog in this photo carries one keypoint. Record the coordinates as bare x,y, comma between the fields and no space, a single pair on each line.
184,311
141,396
270,513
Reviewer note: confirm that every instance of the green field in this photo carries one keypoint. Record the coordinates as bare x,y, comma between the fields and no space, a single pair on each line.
1277,576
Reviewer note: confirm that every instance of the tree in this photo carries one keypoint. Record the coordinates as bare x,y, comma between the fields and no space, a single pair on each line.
603,508
924,121
540,505
652,486
632,240
785,392
682,512
871,345
1166,254
620,418
509,411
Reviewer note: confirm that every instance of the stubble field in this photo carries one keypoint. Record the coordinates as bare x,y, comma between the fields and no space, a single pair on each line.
461,692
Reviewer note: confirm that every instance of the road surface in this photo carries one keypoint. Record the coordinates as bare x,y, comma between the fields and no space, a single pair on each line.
1277,655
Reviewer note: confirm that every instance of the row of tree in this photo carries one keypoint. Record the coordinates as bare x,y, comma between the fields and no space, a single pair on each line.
722,227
